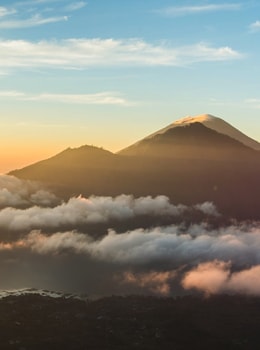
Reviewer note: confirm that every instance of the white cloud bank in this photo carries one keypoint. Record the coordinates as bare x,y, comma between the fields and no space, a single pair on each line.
170,244
214,254
220,260
92,210
196,255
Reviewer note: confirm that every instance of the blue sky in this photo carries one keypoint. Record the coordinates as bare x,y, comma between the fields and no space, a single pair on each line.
111,72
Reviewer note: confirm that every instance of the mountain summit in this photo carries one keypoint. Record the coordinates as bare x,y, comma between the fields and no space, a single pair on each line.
209,121
221,127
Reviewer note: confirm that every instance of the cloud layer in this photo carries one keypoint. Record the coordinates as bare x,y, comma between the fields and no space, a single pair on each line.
157,261
18,193
79,211
173,245
46,243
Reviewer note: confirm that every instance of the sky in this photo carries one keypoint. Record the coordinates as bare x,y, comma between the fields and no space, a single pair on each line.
108,73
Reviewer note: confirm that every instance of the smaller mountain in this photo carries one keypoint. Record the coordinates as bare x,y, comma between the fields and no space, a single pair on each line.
71,158
73,171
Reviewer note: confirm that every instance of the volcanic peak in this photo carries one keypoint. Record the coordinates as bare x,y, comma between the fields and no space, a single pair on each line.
214,123
202,118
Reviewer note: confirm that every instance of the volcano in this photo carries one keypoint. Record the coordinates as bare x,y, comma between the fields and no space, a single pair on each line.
192,160
202,130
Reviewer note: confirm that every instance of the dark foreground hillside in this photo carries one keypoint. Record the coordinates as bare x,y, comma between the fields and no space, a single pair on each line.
134,322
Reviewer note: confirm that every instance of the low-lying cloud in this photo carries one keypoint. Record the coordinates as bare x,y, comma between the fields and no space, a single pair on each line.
92,210
21,193
158,260
153,246
161,244
216,277
156,282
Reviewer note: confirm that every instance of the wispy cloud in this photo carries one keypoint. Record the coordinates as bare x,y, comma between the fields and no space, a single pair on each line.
102,98
21,9
197,9
74,6
34,21
11,94
6,12
254,27
35,2
253,102
83,53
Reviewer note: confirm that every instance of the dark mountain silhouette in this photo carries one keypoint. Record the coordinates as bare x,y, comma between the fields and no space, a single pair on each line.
190,163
